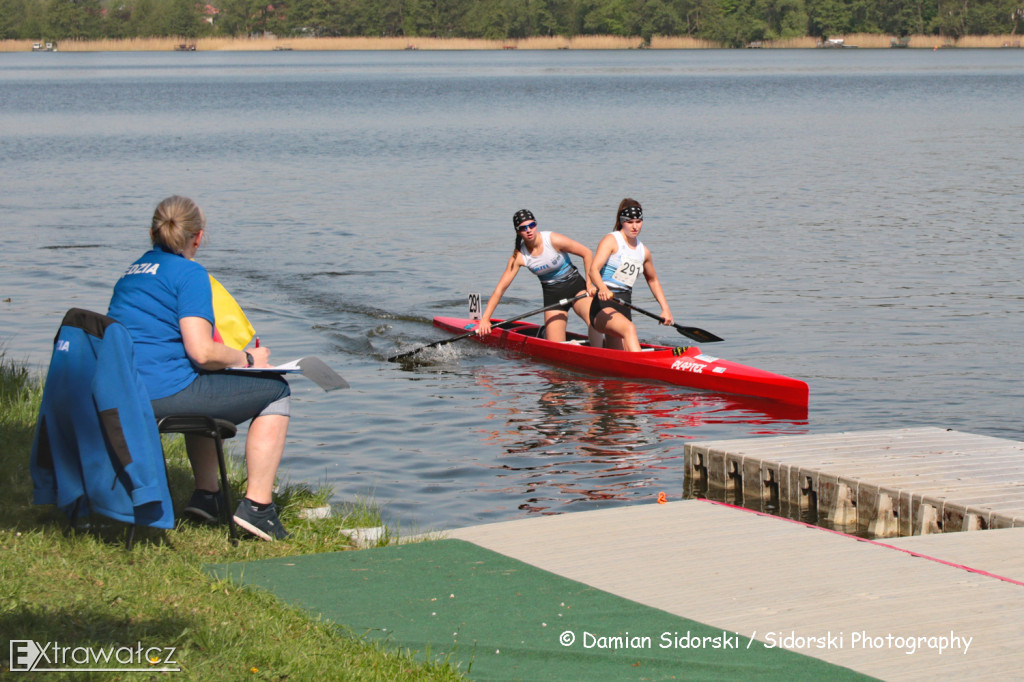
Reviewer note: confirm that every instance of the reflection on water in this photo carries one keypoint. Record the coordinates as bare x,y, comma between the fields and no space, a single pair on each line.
575,439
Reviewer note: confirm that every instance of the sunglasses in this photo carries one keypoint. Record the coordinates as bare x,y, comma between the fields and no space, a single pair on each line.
527,226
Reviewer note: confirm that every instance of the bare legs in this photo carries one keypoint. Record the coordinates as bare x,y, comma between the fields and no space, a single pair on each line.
620,334
556,320
264,447
582,308
554,325
202,455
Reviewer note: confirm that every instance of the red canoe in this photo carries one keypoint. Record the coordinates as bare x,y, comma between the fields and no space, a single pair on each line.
683,366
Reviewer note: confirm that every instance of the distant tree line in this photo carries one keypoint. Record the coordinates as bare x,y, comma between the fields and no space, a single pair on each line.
729,22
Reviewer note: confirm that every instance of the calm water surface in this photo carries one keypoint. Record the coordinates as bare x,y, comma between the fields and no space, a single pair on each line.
852,218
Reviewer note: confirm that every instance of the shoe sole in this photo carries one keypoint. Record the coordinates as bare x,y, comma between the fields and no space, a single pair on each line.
200,514
248,527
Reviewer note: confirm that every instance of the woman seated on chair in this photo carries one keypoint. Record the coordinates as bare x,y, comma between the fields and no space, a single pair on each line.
165,301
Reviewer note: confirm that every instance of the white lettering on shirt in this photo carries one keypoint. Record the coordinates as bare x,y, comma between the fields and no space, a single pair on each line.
141,269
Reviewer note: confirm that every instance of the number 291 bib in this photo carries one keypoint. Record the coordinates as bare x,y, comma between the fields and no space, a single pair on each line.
627,272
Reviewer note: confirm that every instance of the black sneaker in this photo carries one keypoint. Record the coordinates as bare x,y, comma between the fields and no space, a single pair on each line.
204,505
263,524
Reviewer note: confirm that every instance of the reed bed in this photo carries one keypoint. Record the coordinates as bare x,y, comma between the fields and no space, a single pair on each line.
875,41
866,40
16,45
682,43
859,40
991,41
212,44
340,44
605,42
802,42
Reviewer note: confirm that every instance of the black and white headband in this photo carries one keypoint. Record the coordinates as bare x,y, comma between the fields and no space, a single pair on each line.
520,216
631,213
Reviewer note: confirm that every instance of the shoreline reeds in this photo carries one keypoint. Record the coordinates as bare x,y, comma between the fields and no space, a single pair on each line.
588,42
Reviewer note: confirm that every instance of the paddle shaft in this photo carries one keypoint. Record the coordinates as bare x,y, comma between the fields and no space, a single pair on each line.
695,333
503,323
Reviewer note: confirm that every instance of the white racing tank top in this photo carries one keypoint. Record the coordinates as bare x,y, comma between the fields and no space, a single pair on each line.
624,265
551,266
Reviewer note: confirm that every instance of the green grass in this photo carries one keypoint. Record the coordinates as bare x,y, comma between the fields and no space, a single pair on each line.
81,588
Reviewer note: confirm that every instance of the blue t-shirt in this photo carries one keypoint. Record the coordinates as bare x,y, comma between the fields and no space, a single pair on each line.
150,299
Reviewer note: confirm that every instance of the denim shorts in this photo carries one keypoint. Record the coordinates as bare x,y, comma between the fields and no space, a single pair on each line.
236,397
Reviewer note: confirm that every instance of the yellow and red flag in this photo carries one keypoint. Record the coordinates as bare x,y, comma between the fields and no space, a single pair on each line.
231,326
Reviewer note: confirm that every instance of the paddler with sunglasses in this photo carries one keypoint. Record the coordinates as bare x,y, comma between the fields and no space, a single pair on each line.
621,258
546,254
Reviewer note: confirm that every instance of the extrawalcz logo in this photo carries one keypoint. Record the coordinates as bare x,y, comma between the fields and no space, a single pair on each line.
29,656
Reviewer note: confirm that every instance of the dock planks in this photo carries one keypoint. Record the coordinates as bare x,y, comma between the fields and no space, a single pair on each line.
888,483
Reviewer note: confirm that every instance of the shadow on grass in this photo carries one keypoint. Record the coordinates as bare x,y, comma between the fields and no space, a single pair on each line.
18,513
86,627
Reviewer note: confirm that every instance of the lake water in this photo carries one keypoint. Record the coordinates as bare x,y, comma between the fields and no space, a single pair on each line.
852,218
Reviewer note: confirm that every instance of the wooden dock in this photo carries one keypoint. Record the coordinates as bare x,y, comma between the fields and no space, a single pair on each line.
930,606
875,483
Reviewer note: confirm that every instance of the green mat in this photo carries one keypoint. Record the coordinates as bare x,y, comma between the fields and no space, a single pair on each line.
498,618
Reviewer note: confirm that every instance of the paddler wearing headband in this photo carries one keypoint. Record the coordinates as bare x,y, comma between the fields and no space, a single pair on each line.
546,254
621,258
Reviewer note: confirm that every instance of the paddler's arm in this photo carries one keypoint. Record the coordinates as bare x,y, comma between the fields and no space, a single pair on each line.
197,337
509,274
604,251
566,245
652,281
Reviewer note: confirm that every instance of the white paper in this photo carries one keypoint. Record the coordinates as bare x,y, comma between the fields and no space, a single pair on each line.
292,366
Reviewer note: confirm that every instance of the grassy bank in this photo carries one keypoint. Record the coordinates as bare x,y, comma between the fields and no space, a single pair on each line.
864,40
83,589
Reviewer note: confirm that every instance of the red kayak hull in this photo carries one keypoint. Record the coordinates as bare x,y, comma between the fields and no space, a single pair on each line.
682,366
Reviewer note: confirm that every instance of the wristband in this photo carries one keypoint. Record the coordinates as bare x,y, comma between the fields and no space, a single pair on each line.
249,361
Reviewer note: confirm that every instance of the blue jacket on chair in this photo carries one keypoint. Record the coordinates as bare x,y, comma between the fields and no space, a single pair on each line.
97,448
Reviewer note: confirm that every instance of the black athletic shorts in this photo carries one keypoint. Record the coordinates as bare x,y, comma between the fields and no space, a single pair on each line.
597,305
553,293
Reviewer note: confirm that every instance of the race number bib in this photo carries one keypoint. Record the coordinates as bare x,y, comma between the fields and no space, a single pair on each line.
629,269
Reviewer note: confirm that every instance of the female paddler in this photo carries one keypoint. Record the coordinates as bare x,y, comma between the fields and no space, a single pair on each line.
621,258
546,254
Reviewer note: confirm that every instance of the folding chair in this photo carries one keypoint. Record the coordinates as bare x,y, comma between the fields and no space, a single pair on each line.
218,430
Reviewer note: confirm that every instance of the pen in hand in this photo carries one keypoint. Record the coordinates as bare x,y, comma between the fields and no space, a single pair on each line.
257,342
